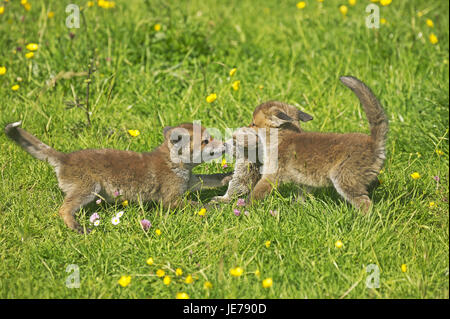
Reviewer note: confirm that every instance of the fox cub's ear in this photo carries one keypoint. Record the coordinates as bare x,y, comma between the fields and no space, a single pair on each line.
176,134
166,130
279,118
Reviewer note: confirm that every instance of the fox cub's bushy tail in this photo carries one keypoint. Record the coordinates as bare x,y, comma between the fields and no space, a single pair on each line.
32,145
376,116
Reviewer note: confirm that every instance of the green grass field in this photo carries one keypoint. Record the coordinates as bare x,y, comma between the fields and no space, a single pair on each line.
155,64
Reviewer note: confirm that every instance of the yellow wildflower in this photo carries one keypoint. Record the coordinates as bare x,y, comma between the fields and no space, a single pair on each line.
236,272
415,175
157,27
134,133
182,295
343,9
32,46
420,13
383,21
257,273
352,2
167,280
267,243
27,6
301,5
178,271
261,87
125,203
235,85
433,38
339,244
15,87
432,204
233,71
2,10
224,163
202,212
160,273
207,285
124,281
211,98
438,152
50,14
2,70
23,2
149,261
267,283
29,55
385,2
189,279
158,232
404,268
430,23
90,4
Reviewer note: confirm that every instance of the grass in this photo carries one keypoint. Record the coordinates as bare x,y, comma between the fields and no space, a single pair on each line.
147,79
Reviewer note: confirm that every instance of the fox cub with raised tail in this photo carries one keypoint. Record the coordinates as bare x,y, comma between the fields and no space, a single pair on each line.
350,161
162,175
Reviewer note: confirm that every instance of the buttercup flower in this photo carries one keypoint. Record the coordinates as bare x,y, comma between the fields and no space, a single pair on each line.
32,46
90,4
15,87
233,71
267,243
339,244
149,261
189,279
115,220
202,212
301,4
134,133
415,175
94,217
383,21
125,203
432,204
207,285
146,224
429,23
439,152
257,273
178,271
224,163
343,9
182,295
385,2
235,85
404,268
157,27
2,70
236,272
158,232
352,2
29,55
267,283
160,273
2,10
167,280
433,38
124,281
50,14
211,98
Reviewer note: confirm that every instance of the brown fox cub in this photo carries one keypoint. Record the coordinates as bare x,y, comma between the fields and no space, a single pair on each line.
162,175
350,162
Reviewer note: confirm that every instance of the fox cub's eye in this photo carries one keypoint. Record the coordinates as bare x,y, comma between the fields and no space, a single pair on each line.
204,142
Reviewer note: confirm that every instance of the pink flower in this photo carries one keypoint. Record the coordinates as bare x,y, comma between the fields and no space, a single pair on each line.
116,193
98,201
237,212
94,217
436,178
146,224
240,202
274,213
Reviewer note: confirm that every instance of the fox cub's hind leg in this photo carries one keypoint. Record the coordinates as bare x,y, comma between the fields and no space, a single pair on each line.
352,190
73,202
